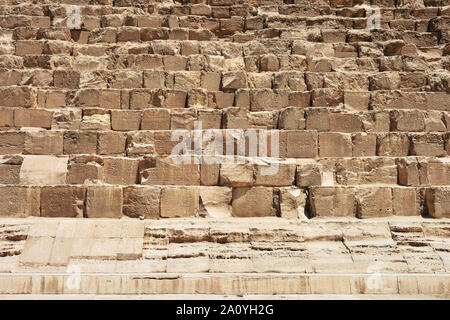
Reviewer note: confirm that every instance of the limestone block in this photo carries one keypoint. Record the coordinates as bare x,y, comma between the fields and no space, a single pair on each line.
179,202
111,143
104,202
374,202
236,175
334,145
406,202
165,171
277,175
299,144
309,174
438,202
125,120
62,201
253,202
332,201
43,170
392,144
141,202
292,203
215,202
120,170
43,142
19,201
155,119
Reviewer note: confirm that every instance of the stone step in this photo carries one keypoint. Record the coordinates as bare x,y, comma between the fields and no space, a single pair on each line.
398,285
291,143
239,200
223,170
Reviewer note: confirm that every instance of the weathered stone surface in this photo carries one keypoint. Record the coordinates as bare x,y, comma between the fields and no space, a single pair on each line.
104,202
141,202
437,200
179,202
62,201
43,170
236,175
374,202
19,201
253,202
292,203
165,171
215,202
332,201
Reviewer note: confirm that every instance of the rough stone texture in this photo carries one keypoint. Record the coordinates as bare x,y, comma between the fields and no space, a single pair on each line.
354,122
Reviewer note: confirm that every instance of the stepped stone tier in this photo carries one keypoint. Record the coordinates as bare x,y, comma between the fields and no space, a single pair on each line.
225,147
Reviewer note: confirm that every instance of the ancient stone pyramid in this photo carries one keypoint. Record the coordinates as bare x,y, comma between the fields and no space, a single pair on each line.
232,139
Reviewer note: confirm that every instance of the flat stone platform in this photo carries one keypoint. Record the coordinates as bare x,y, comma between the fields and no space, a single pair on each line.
240,258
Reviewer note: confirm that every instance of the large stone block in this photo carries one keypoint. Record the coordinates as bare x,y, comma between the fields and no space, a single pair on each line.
80,142
406,202
333,145
374,202
43,170
33,118
236,175
299,144
63,201
392,144
120,170
141,202
253,202
292,203
275,174
438,202
215,202
84,169
164,171
19,201
332,201
104,202
43,142
11,142
179,202
309,174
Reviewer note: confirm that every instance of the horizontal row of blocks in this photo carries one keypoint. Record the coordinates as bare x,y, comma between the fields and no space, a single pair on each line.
198,33
229,81
291,118
50,170
220,202
291,143
253,99
267,55
229,23
237,8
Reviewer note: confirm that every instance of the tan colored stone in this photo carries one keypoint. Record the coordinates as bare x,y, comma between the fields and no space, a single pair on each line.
120,171
373,202
19,201
166,171
405,202
236,175
253,202
43,170
292,203
141,202
332,201
438,202
62,201
179,202
215,202
104,202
